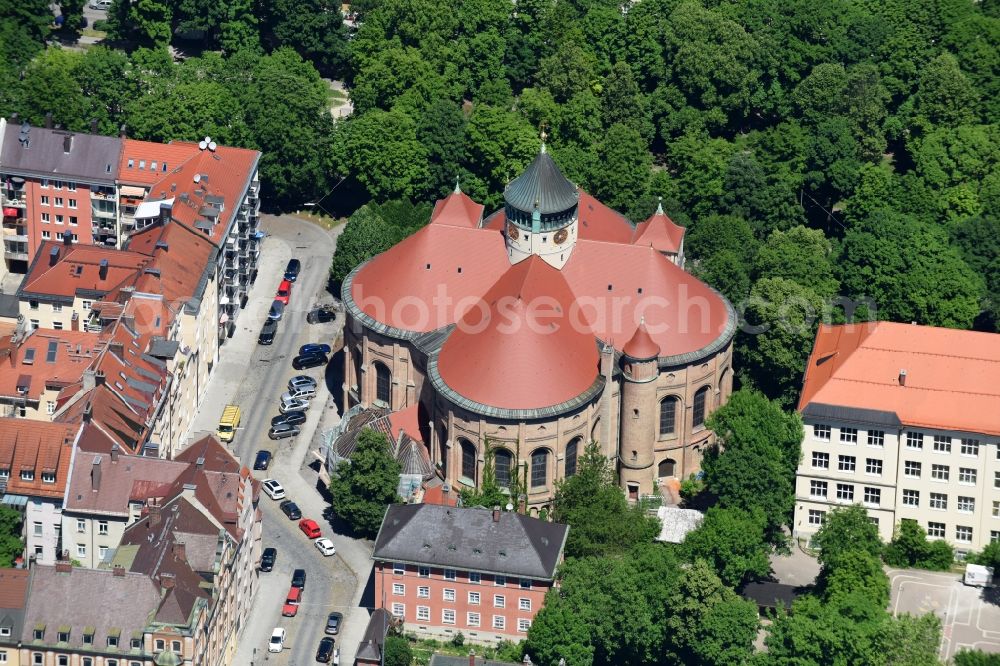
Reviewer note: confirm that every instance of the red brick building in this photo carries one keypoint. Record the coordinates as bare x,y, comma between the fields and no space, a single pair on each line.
444,570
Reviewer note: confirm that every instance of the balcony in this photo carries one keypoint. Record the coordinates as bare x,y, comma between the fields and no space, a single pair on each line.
19,234
102,194
14,198
104,214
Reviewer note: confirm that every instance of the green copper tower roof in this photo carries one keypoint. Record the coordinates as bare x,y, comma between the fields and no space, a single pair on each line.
541,186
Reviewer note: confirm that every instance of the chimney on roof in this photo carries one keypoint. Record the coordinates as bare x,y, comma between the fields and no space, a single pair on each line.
64,566
496,514
179,551
121,131
54,255
89,380
165,209
95,474
166,581
88,412
93,125
114,453
67,143
99,378
154,516
67,238
48,120
902,377
103,269
118,571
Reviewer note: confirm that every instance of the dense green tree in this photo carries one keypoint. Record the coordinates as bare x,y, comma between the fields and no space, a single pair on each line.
734,543
600,518
441,130
621,174
147,21
314,28
623,103
912,640
853,573
109,83
957,164
910,271
815,633
708,623
363,488
753,461
568,71
967,657
397,651
499,145
558,632
48,86
780,320
26,23
365,235
944,95
11,545
845,530
911,548
801,255
380,149
990,556
189,112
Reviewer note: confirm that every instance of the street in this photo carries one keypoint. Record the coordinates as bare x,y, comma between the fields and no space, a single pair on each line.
253,377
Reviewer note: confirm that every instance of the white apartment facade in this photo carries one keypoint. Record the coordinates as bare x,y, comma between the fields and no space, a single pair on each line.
905,421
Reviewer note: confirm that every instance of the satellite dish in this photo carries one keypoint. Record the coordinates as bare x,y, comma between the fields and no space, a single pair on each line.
212,146
197,178
202,145
510,507
208,139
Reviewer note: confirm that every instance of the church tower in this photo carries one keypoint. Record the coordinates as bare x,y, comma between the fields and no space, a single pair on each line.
541,209
639,412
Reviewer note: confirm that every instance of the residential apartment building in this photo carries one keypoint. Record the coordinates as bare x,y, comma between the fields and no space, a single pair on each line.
904,420
34,467
442,570
13,598
55,183
41,364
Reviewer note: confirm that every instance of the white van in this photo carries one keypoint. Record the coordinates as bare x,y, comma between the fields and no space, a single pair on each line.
976,575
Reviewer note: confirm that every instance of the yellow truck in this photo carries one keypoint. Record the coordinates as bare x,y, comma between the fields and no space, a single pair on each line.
229,422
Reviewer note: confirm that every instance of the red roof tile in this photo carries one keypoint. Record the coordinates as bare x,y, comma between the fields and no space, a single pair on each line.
457,209
661,232
641,346
522,355
40,447
29,363
165,157
405,421
13,588
78,267
951,375
180,254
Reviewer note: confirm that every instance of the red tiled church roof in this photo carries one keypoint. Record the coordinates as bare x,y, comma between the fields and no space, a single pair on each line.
641,346
659,231
457,209
519,355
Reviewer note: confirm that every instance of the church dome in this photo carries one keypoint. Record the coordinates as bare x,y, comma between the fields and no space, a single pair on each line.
542,188
525,347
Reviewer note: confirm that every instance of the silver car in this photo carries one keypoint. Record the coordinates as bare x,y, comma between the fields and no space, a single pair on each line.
301,382
289,404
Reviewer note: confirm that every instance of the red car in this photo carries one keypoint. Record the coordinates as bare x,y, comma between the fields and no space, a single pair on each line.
292,602
284,292
310,528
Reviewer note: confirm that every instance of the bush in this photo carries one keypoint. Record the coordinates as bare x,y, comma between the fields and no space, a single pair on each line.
101,25
458,640
910,548
976,658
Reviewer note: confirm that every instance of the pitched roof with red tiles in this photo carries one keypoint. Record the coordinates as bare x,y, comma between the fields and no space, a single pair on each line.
48,358
41,448
517,355
147,162
405,421
180,257
77,271
224,172
950,382
641,346
457,209
123,478
13,589
661,232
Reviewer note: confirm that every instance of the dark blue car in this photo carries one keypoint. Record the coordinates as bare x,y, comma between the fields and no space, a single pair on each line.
314,348
292,270
263,460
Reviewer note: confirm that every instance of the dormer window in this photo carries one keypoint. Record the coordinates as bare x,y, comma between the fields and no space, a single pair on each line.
131,163
64,634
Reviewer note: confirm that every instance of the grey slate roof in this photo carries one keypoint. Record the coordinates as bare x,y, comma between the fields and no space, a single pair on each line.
91,158
469,539
818,410
452,660
162,348
370,647
9,305
542,183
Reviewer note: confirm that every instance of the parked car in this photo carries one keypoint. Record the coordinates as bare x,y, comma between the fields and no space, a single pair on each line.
299,394
333,621
301,381
263,460
325,650
314,348
267,559
267,332
290,404
277,310
299,578
290,509
277,642
292,270
99,4
325,546
292,601
284,292
284,431
321,315
309,361
273,489
290,418
310,528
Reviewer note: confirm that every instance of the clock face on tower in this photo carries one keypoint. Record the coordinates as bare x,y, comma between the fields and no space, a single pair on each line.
561,236
512,231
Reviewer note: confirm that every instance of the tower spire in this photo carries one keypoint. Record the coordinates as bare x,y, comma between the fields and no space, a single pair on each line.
458,189
659,206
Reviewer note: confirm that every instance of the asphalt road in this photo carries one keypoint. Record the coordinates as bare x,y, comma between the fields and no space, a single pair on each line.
254,377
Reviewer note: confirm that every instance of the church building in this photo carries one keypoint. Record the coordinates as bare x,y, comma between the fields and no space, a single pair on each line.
519,337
